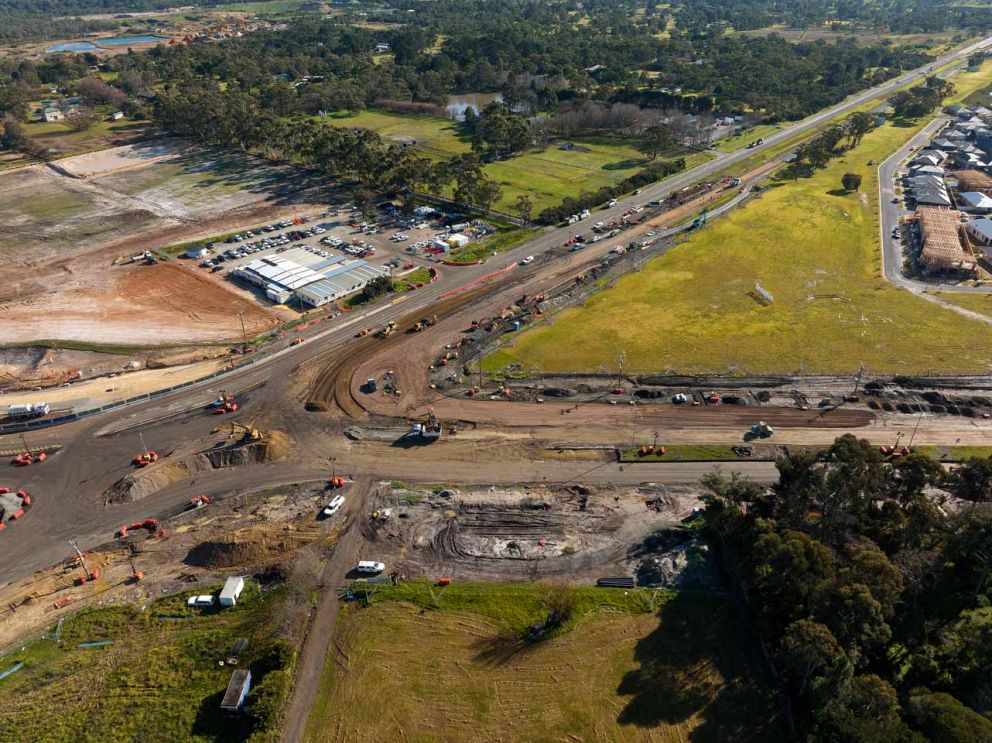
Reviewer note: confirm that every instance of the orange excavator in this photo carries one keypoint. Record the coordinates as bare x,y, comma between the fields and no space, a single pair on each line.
146,457
150,525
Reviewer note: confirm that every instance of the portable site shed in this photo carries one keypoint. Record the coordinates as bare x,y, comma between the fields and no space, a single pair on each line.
237,690
233,587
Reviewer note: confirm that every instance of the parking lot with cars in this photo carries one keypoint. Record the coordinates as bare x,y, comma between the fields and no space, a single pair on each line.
387,239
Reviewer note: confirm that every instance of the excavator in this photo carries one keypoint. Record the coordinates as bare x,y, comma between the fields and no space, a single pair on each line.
88,575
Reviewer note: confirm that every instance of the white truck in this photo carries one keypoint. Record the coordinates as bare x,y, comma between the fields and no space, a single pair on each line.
28,410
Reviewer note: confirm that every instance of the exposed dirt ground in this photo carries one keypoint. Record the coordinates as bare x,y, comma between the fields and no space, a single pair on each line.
64,226
531,533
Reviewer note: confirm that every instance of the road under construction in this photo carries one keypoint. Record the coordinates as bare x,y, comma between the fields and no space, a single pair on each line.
316,395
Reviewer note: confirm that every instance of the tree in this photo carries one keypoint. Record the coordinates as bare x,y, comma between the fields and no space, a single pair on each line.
943,718
855,618
872,568
858,125
655,140
523,207
973,480
811,660
81,118
851,181
13,137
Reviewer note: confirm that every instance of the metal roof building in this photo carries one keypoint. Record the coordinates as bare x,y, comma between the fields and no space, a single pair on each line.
339,282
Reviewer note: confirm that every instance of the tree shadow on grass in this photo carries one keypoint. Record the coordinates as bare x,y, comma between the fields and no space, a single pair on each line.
502,648
839,192
631,162
695,667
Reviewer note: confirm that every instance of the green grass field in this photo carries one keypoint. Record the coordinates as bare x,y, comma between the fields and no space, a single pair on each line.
735,141
160,679
502,241
814,248
546,176
432,664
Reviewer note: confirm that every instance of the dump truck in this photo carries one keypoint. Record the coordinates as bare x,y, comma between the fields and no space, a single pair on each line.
429,429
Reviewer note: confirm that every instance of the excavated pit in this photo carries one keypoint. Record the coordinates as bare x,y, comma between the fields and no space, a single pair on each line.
140,484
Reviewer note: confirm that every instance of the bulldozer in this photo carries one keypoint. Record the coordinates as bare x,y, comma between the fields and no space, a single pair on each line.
762,430
386,330
424,323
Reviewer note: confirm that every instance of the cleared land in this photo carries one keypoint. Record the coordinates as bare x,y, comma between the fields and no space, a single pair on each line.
64,225
546,176
625,671
814,248
159,679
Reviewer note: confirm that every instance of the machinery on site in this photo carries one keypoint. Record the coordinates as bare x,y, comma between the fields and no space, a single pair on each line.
197,501
698,222
88,574
28,457
386,330
28,410
429,429
222,399
146,457
424,323
136,575
149,525
762,430
227,407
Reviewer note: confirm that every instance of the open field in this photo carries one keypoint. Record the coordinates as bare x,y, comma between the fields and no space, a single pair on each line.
160,679
735,141
64,226
546,176
975,302
934,42
623,672
814,248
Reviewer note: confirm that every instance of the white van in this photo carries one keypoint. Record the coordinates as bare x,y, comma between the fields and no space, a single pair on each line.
370,566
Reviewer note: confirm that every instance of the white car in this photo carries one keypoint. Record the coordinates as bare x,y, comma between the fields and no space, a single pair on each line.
528,259
200,601
332,508
370,566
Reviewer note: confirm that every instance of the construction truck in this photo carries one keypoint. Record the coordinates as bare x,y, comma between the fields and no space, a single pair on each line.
197,501
424,323
429,429
698,222
762,429
28,410
388,329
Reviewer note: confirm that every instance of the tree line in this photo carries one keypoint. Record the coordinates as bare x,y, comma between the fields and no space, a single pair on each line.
867,579
233,118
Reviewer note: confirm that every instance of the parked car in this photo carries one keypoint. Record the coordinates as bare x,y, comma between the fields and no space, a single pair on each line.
332,508
370,566
529,259
200,601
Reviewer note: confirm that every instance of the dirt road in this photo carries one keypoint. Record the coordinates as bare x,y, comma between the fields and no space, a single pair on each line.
313,654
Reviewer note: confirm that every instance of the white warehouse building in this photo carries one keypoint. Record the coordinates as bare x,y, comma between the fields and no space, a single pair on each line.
325,280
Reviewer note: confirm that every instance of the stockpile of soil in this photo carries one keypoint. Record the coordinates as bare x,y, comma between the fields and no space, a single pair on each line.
142,483
251,547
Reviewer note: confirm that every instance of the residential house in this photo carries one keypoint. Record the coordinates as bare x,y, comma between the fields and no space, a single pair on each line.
942,250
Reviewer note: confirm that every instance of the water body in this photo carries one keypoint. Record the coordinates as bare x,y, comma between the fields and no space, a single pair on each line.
86,46
478,101
118,40
73,46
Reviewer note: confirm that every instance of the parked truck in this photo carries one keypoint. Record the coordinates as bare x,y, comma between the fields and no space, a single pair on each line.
29,410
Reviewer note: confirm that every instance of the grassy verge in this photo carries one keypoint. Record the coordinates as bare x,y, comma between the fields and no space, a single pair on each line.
815,249
955,453
689,453
505,239
735,141
981,303
160,679
450,663
408,281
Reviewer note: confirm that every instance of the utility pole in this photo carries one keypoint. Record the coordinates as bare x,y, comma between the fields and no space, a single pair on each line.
857,382
915,429
620,360
244,335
